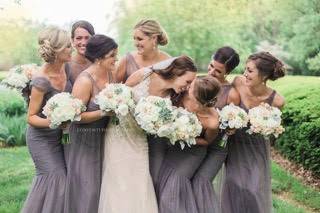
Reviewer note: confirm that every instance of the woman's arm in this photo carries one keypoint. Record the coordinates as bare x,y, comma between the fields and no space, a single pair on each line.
34,108
121,70
135,78
82,90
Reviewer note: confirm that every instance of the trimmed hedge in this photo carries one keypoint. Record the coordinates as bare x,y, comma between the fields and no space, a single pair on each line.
11,102
301,118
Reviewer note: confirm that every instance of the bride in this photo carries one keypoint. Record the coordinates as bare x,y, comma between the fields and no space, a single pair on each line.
126,182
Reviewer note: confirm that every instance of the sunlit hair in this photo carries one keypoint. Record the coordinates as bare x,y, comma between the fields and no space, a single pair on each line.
206,89
52,40
268,66
151,27
178,67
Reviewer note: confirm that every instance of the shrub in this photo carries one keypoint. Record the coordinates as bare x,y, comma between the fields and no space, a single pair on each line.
11,102
301,117
13,130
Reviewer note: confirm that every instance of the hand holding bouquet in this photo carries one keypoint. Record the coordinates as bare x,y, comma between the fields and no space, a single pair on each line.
62,108
117,98
231,117
265,120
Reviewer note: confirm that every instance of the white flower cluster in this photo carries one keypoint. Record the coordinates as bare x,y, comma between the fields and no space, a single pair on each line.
155,115
185,128
265,120
63,107
117,98
232,117
19,76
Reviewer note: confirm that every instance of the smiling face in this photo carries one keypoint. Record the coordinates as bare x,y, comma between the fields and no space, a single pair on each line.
109,60
143,43
217,70
252,75
182,83
80,40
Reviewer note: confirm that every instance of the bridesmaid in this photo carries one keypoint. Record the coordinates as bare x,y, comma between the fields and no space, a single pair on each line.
223,62
247,186
48,188
81,31
148,35
174,188
86,137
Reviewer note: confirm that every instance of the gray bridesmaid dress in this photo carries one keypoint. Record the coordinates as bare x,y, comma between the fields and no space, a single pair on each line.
84,166
157,146
175,194
207,200
44,144
131,66
247,187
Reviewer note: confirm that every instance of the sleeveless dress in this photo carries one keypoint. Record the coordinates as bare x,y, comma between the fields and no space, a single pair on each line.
175,194
131,66
126,182
247,188
84,166
157,146
207,200
44,144
76,69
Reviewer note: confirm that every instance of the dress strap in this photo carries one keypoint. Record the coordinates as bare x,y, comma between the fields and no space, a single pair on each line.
131,59
270,99
95,88
147,72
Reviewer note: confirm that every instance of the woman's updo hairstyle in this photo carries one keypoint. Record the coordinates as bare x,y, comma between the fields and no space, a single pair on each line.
268,65
98,46
227,56
151,27
206,89
178,67
52,40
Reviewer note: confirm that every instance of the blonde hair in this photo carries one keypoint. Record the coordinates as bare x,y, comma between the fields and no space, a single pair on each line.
151,27
52,40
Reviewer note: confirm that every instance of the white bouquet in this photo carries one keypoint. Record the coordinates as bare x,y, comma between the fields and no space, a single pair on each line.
265,120
155,115
186,127
19,76
117,98
63,107
231,117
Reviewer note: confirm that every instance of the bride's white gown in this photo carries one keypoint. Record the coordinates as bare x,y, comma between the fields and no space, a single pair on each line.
126,182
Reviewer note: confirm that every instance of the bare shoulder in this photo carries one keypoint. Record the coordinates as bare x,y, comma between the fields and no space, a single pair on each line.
278,101
135,78
164,55
82,82
238,81
213,120
234,96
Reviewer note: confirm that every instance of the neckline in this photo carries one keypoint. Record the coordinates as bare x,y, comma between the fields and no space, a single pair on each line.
264,101
134,61
65,84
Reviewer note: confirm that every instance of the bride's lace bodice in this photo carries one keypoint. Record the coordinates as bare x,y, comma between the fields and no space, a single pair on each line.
141,90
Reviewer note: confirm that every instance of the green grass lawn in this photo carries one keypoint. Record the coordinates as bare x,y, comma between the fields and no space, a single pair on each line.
17,171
